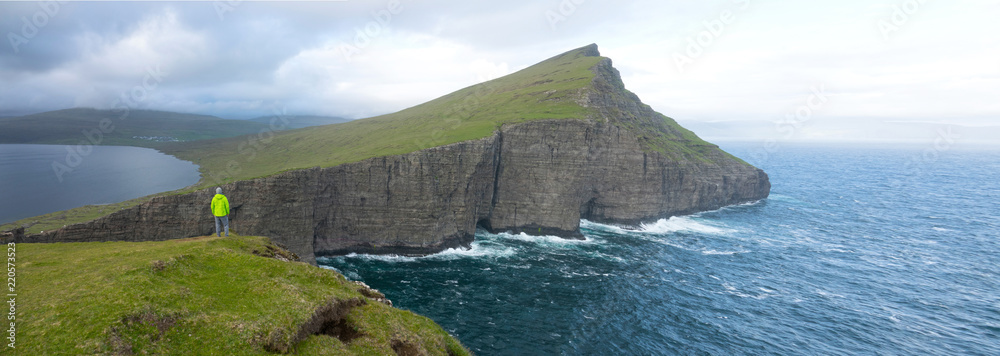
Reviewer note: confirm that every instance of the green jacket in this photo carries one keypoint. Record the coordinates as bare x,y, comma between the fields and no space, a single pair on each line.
220,205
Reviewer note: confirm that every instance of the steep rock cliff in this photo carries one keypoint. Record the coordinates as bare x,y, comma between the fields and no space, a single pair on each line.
536,177
624,163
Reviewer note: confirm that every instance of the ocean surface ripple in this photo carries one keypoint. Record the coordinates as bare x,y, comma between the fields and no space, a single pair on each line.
859,250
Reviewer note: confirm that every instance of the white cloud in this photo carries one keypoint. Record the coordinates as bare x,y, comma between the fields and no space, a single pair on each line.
943,62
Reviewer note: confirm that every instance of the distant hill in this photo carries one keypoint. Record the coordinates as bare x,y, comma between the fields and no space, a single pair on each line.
300,121
138,128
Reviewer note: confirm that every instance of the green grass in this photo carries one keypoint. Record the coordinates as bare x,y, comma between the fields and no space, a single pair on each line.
68,127
202,295
299,121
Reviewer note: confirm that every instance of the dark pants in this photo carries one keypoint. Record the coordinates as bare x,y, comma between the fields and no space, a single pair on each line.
225,222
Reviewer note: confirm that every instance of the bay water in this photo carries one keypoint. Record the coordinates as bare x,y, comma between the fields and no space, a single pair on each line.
40,179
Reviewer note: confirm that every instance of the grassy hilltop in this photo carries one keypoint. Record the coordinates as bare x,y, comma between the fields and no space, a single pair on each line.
544,91
208,295
551,89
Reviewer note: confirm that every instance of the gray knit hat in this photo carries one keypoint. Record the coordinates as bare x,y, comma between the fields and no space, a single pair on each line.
218,190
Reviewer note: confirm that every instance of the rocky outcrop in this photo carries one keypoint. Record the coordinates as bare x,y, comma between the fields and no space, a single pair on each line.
537,177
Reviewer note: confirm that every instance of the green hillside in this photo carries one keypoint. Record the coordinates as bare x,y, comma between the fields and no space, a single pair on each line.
299,121
547,90
208,295
145,128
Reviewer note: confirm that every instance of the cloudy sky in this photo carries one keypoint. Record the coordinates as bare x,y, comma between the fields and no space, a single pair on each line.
846,69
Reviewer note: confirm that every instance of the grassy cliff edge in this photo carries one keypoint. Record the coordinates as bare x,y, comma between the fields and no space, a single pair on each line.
235,295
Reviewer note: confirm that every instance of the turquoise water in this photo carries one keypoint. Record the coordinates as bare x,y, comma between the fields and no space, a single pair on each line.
859,250
30,186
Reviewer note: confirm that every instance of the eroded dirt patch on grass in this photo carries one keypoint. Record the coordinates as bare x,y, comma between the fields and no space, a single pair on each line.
405,348
329,319
143,327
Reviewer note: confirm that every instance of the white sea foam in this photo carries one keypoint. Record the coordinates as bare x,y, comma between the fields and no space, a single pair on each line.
477,250
547,240
681,223
828,294
590,225
349,274
731,290
383,258
734,206
714,252
662,226
323,260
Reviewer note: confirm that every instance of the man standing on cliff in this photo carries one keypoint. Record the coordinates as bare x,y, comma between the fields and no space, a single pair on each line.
220,208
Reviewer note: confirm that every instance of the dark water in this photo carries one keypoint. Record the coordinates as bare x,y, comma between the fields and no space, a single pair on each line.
859,250
29,185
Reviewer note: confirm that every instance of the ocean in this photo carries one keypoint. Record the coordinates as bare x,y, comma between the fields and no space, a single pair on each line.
860,249
31,186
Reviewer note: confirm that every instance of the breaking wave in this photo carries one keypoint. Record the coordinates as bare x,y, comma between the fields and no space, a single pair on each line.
681,224
687,223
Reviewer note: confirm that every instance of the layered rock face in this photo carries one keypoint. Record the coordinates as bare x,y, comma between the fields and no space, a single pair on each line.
554,173
537,177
